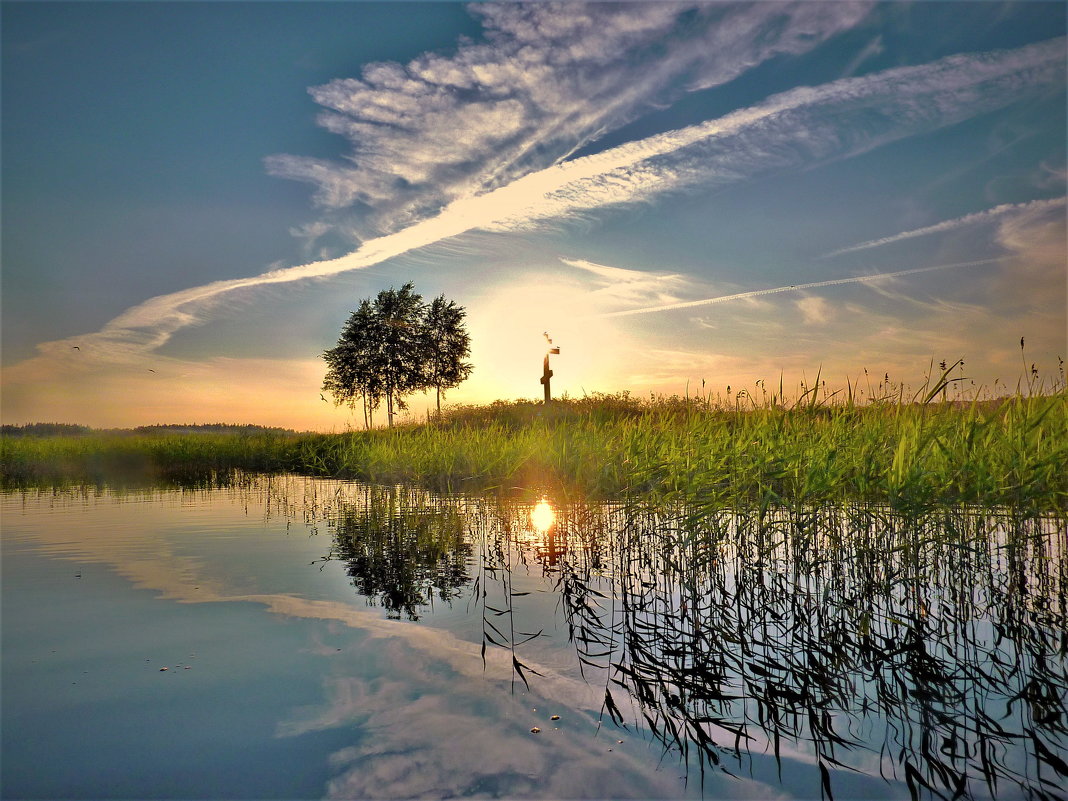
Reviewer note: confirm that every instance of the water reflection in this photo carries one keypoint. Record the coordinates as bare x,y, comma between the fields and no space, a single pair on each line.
931,651
542,516
402,552
923,656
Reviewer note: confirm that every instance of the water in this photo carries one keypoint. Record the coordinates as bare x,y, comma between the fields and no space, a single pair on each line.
328,639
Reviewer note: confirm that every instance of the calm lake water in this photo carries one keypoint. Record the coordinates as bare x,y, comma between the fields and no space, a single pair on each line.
285,637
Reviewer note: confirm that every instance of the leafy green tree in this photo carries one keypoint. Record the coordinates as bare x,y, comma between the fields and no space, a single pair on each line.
447,345
393,346
398,359
351,375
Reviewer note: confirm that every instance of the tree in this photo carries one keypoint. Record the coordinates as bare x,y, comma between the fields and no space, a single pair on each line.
395,345
447,345
398,359
351,374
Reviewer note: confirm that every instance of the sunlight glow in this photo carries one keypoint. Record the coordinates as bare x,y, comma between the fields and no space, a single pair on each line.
508,340
542,516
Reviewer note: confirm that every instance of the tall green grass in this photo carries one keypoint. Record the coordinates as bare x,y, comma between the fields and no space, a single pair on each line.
909,455
110,457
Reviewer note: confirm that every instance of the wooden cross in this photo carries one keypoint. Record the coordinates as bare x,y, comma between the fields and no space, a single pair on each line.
546,373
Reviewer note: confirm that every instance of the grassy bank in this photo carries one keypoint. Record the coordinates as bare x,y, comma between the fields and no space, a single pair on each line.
1012,452
108,457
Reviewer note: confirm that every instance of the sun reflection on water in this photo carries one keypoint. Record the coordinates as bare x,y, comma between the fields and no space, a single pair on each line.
542,516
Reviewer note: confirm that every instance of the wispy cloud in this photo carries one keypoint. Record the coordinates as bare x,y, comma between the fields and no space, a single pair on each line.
814,309
989,215
621,285
859,279
874,48
789,130
794,129
548,79
1034,284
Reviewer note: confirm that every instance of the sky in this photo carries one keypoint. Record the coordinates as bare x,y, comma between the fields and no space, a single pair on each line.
686,197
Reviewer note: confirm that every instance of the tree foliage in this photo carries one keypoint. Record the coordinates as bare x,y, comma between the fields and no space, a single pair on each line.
395,345
448,344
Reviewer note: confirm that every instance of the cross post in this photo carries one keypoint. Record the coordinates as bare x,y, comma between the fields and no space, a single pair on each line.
546,373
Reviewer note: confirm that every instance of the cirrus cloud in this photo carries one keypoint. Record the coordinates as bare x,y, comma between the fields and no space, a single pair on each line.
548,79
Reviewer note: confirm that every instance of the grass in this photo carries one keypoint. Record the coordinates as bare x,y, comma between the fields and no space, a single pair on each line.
109,457
710,453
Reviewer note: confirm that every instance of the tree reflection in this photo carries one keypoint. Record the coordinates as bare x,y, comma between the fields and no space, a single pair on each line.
401,551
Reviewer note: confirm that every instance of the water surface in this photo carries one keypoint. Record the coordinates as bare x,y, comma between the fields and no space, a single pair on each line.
332,639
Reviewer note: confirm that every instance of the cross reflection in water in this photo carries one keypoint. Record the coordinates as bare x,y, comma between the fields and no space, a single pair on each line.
543,520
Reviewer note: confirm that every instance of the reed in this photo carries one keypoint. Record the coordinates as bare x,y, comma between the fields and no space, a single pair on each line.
107,458
910,455
937,640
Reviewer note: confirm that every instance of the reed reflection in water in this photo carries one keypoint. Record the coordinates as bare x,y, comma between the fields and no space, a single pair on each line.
931,650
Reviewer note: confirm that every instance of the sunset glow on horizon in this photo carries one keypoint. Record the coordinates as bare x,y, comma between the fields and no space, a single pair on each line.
682,195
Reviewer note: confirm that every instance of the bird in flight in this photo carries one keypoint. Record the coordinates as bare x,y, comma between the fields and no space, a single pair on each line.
74,347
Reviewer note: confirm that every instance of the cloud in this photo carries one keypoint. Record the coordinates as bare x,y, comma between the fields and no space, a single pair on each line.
989,215
619,285
794,129
872,49
548,79
310,233
814,309
614,274
789,130
859,279
1036,241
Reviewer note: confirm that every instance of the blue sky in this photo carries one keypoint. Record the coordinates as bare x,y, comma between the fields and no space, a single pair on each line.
196,195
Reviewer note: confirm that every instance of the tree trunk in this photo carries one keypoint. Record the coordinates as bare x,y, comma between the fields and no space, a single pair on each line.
389,408
439,400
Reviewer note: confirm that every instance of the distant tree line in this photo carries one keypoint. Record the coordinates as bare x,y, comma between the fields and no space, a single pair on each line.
396,345
44,430
211,428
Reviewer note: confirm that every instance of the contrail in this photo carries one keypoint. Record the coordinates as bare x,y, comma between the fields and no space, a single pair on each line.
948,225
792,287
